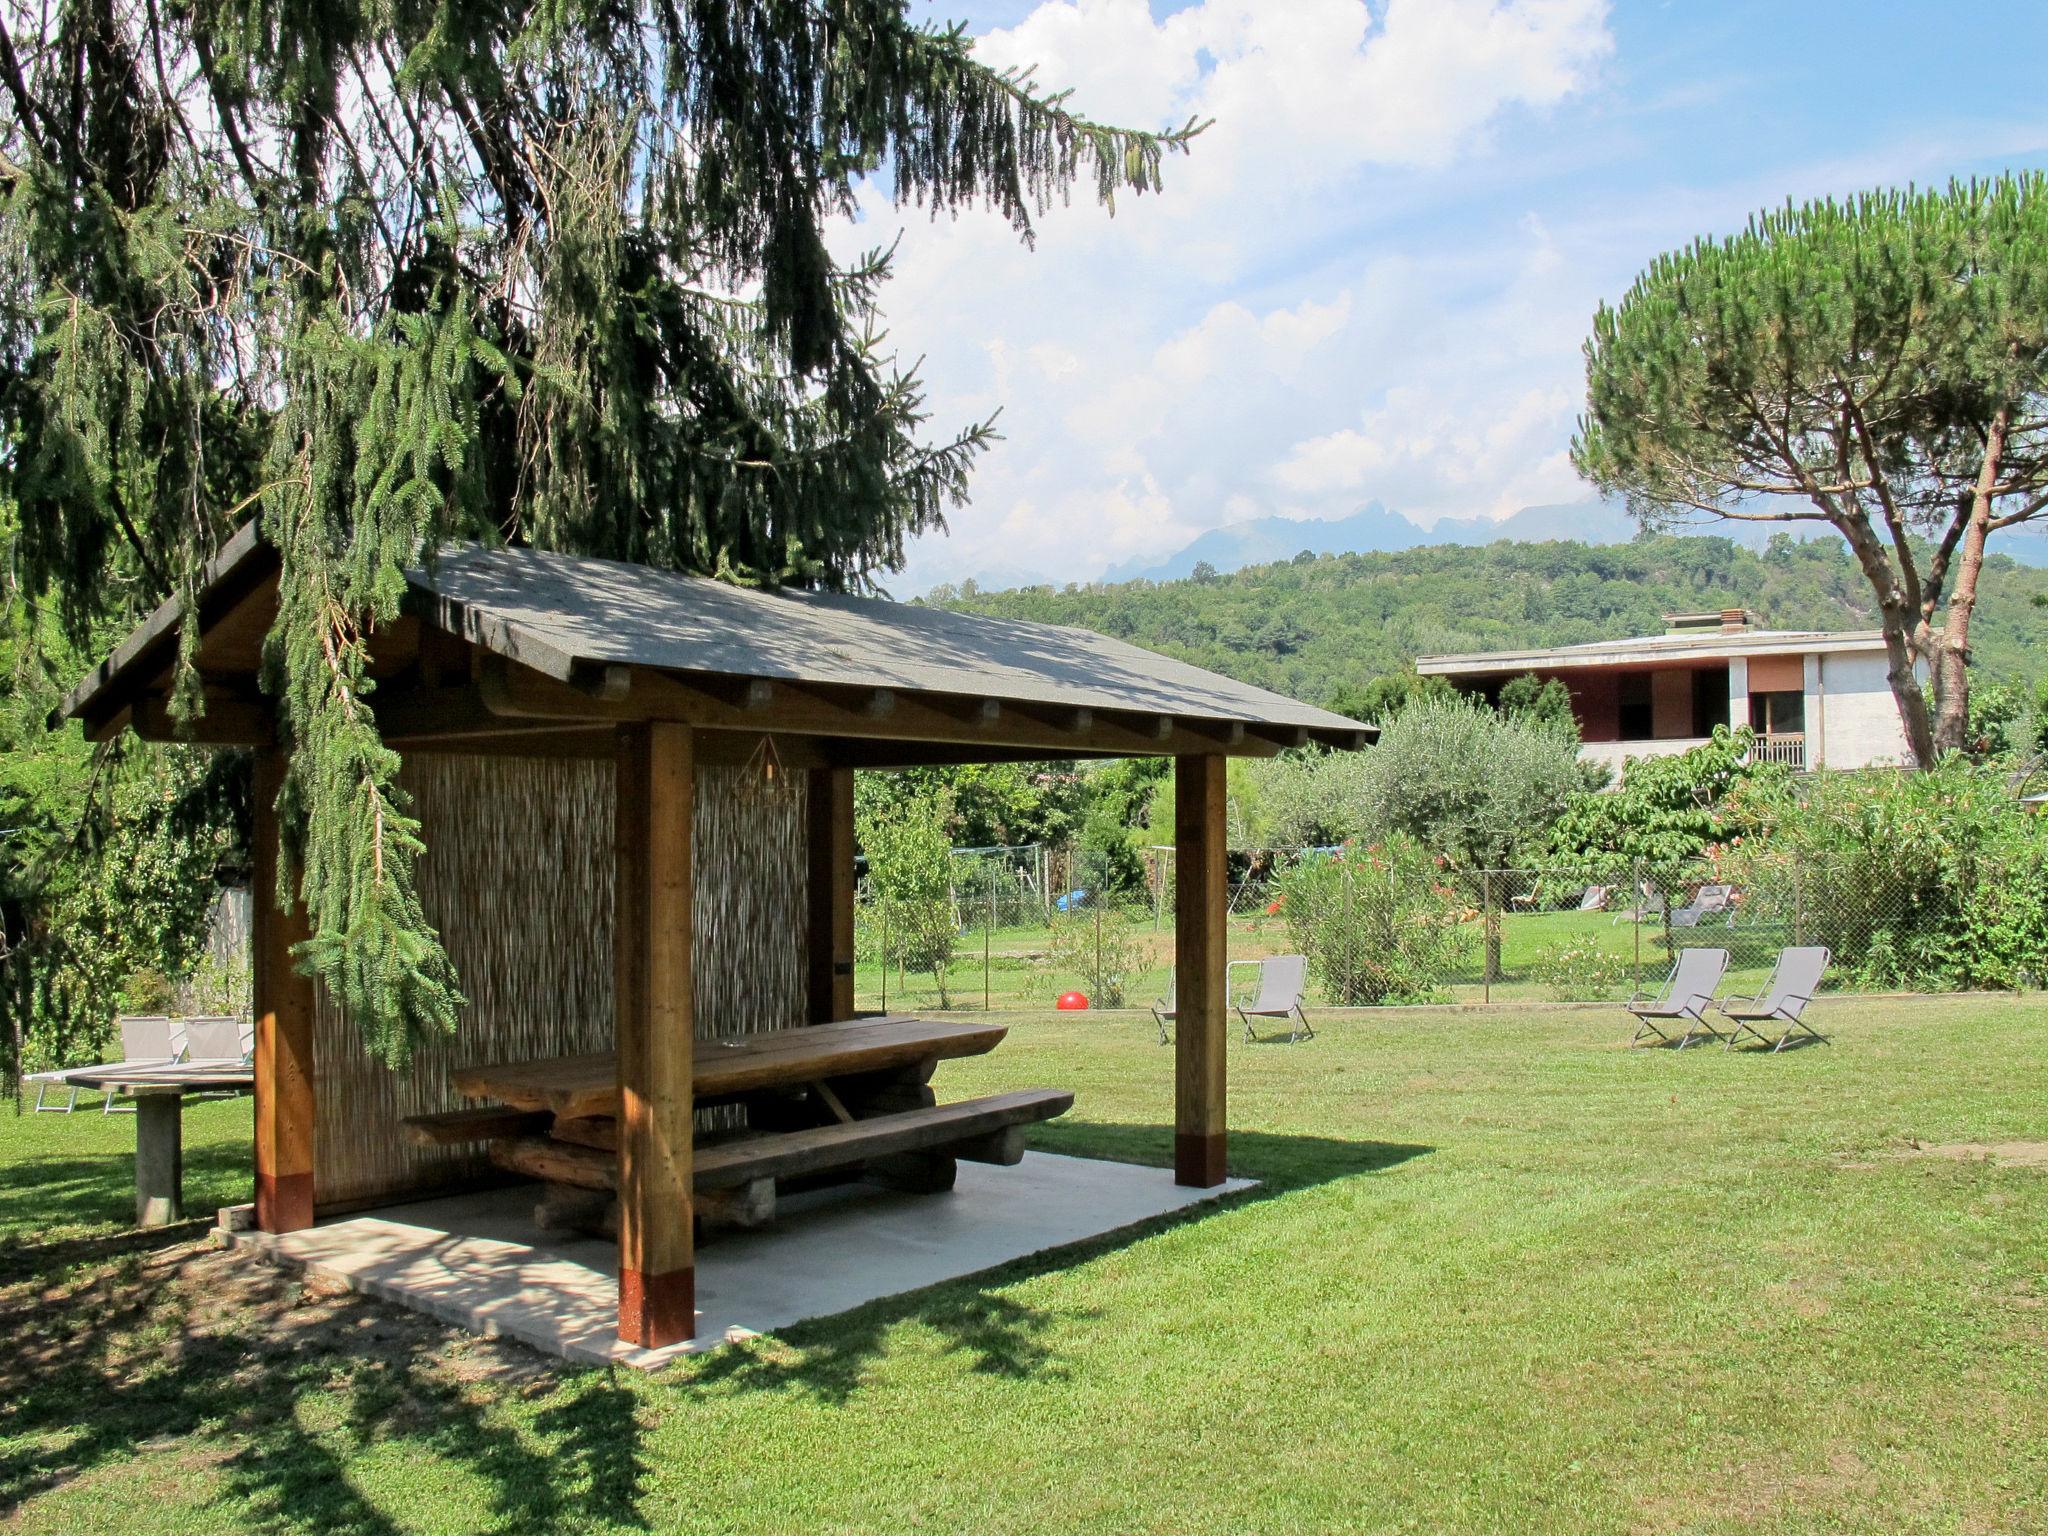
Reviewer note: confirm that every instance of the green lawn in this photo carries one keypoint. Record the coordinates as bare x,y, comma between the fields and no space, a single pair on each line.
1502,1276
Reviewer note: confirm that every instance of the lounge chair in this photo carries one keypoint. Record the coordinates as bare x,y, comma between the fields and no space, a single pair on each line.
1794,980
1688,993
1706,902
1282,980
1164,1010
1595,898
147,1039
215,1040
1647,905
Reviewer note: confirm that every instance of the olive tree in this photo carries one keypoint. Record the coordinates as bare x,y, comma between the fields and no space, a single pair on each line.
1477,788
1876,365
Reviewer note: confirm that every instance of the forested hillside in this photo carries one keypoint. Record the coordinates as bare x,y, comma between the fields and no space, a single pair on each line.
1310,625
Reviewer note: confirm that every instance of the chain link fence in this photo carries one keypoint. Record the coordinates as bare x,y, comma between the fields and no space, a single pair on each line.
1027,926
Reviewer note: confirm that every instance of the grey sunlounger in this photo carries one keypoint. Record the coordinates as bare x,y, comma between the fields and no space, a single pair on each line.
1687,995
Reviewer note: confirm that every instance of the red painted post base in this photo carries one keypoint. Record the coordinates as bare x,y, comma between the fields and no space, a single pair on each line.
284,1202
657,1310
1198,1160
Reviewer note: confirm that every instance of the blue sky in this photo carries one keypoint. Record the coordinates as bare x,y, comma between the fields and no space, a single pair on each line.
1371,278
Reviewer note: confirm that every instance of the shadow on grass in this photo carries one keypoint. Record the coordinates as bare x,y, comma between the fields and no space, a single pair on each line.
138,1345
164,1347
995,1334
98,1190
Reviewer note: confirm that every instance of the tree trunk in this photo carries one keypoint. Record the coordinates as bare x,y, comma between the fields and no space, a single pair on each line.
1896,618
1952,654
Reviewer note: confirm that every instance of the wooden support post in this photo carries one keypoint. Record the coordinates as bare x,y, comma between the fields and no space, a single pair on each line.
831,895
655,1030
283,1063
1201,905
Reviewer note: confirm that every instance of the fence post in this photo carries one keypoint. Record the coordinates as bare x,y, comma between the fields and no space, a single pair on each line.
1798,909
1098,941
1486,933
1637,902
987,935
1346,935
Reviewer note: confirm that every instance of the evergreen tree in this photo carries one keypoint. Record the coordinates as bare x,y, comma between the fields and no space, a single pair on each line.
391,275
1881,366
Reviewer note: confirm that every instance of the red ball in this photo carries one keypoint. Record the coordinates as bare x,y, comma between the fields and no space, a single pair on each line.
1072,1000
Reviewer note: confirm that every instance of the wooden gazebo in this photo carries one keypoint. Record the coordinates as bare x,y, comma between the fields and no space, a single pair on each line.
549,688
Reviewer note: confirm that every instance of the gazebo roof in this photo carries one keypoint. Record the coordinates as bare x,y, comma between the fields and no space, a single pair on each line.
559,629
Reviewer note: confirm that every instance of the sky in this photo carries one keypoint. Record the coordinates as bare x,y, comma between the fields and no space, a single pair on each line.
1372,276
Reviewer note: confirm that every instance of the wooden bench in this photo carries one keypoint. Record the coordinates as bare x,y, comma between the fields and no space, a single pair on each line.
734,1181
489,1122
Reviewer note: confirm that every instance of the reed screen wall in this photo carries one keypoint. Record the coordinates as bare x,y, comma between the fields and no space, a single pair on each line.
518,879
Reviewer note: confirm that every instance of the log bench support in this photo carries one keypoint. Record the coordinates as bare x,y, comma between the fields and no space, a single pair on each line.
655,1030
734,1181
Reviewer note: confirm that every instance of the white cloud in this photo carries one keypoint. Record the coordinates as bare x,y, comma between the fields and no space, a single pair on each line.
1233,346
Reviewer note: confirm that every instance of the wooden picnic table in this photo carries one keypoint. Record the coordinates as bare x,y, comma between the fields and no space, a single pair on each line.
576,1087
159,1093
842,1099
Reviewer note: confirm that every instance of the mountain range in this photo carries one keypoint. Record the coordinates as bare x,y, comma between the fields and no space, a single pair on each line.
1376,528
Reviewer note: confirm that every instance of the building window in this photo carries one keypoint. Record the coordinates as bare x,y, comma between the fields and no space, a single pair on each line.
1777,714
1709,700
1635,708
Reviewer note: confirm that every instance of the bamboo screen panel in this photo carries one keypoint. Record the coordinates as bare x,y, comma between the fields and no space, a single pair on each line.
518,879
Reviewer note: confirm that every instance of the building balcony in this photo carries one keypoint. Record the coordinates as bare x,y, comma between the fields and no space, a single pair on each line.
1785,747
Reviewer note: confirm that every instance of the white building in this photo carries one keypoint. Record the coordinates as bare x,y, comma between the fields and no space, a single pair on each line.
1814,699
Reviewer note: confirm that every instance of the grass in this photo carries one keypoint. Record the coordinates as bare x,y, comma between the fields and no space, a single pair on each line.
1011,968
1502,1276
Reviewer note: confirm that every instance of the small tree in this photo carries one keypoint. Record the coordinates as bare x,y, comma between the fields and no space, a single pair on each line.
1667,811
1378,925
1477,787
1541,701
1880,366
910,868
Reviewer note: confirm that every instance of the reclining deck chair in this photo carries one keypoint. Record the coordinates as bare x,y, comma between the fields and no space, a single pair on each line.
1164,1010
1794,980
1688,993
1282,979
1708,901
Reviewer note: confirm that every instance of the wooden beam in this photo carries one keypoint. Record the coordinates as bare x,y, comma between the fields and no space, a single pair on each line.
655,1029
283,1003
1201,957
830,846
231,720
515,692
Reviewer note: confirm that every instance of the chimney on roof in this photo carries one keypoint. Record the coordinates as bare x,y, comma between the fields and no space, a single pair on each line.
1727,621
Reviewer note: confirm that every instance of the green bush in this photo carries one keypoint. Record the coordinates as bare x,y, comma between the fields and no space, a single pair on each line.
1582,970
1378,924
910,874
1104,959
1922,881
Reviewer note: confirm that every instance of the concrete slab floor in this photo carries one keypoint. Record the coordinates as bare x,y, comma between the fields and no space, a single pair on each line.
477,1261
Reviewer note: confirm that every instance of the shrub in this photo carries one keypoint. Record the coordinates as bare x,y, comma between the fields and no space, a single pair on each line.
1928,880
910,864
1104,957
1582,970
1378,925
